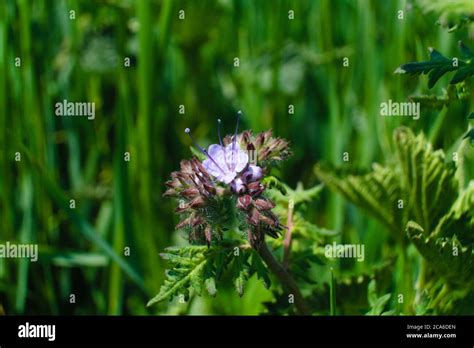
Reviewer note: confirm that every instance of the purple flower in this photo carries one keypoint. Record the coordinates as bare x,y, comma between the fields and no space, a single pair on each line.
225,163
232,162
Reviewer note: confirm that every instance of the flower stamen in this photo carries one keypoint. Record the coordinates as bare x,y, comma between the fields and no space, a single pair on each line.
219,131
204,151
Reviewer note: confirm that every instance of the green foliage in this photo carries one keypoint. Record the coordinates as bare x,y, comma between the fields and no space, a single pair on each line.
453,14
448,249
450,95
426,179
416,184
284,193
431,195
422,307
438,65
351,296
194,268
447,256
376,192
377,303
470,135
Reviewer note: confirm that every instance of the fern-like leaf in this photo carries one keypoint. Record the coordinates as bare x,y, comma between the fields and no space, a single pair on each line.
195,268
446,256
438,65
377,192
188,264
426,178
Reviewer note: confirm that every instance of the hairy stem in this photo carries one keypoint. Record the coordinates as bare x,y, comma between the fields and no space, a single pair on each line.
285,278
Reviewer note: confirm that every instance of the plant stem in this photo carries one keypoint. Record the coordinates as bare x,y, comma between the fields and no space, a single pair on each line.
436,303
287,241
420,283
285,278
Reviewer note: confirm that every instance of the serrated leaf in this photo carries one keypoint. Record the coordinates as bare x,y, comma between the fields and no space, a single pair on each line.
445,256
239,272
460,219
420,181
260,269
377,192
427,180
187,266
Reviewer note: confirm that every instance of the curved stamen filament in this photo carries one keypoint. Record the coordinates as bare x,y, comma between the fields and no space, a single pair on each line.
204,151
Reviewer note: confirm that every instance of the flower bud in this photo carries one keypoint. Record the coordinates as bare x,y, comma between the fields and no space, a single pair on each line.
255,188
252,173
263,204
243,202
238,186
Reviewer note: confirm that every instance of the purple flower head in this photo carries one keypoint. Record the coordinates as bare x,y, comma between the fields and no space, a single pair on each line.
232,163
226,162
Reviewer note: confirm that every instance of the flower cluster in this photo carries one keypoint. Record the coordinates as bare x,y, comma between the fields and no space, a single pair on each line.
231,172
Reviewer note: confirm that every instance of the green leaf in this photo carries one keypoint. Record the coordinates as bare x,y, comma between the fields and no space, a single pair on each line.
240,272
422,306
453,14
438,65
425,186
377,303
199,155
272,182
445,256
283,193
188,265
199,267
426,179
460,219
260,269
377,192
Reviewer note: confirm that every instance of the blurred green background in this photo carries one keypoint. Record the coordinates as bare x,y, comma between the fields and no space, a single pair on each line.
82,56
